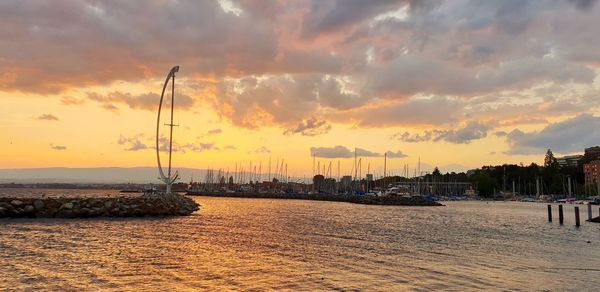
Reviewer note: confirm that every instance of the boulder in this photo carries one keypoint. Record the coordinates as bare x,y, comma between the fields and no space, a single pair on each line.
67,206
28,209
65,213
6,206
108,204
16,203
38,204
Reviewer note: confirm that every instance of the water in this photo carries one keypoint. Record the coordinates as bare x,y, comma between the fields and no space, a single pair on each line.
257,244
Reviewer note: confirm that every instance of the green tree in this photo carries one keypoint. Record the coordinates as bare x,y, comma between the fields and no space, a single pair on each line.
549,160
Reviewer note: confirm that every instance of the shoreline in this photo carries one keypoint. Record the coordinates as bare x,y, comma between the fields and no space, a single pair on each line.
365,200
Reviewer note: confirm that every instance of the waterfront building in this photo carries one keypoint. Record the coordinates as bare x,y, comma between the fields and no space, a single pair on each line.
592,153
591,171
346,181
569,160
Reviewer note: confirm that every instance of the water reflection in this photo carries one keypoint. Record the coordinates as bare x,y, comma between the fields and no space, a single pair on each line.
302,245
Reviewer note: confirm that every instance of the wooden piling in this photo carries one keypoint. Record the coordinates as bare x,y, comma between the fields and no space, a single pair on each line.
549,213
577,216
589,211
560,214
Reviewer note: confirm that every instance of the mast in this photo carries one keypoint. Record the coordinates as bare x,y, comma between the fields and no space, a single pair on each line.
384,168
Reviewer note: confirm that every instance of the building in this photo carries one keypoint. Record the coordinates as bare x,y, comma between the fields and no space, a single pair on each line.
369,177
591,171
346,181
570,160
592,153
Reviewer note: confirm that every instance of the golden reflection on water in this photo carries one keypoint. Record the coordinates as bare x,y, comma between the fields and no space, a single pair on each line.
247,244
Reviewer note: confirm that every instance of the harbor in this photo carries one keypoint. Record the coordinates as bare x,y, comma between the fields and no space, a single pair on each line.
246,244
299,145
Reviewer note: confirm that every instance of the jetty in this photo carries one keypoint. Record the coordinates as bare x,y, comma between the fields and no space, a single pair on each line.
126,206
356,199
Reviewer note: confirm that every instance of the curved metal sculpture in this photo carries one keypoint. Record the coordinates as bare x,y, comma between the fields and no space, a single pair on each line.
167,179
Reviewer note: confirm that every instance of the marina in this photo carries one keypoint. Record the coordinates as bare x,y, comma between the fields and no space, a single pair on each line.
299,145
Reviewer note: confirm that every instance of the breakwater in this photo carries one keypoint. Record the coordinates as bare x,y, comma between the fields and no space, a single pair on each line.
125,206
357,199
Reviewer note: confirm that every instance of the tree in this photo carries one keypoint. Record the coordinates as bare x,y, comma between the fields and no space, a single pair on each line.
549,160
436,172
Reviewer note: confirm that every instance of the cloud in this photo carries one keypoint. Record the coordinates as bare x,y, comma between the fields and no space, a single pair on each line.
473,130
141,142
413,138
201,147
48,117
148,101
364,63
58,147
343,152
214,132
133,143
435,110
262,150
397,154
69,100
366,153
331,152
310,127
568,136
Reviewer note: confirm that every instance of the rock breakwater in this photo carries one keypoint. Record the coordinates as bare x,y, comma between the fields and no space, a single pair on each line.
138,206
356,199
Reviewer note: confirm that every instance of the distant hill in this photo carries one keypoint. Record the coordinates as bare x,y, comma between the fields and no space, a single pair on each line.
93,175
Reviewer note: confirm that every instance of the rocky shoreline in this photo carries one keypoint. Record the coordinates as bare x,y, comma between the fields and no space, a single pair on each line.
356,199
138,206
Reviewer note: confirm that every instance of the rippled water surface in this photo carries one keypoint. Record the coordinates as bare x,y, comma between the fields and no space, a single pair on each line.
256,244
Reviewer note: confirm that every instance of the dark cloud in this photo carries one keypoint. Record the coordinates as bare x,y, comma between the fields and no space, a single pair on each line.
48,117
338,15
583,4
568,136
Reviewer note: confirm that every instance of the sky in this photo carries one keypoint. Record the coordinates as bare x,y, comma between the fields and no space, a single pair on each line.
455,84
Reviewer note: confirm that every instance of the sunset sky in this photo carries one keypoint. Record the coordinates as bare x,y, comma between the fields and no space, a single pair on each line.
459,84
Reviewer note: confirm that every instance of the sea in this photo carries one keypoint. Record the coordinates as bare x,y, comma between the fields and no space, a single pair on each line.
244,244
